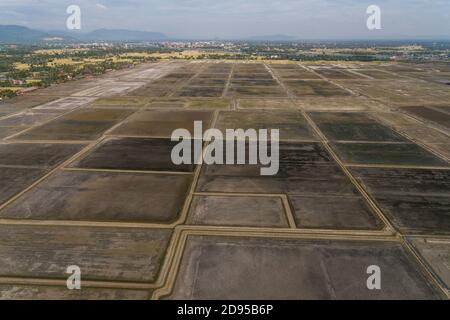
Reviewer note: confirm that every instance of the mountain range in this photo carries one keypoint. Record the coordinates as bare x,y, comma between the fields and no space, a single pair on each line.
273,37
20,34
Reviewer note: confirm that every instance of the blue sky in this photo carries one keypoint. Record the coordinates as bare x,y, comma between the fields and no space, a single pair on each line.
304,19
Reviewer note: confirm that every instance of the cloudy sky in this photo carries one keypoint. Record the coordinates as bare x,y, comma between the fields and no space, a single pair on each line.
304,19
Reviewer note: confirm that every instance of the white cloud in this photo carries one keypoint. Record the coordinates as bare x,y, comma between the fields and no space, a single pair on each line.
101,6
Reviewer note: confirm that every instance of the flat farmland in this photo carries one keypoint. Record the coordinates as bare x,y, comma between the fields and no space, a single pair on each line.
87,178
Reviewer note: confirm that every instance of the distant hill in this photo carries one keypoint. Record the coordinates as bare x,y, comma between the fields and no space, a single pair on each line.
124,35
274,37
20,34
17,34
